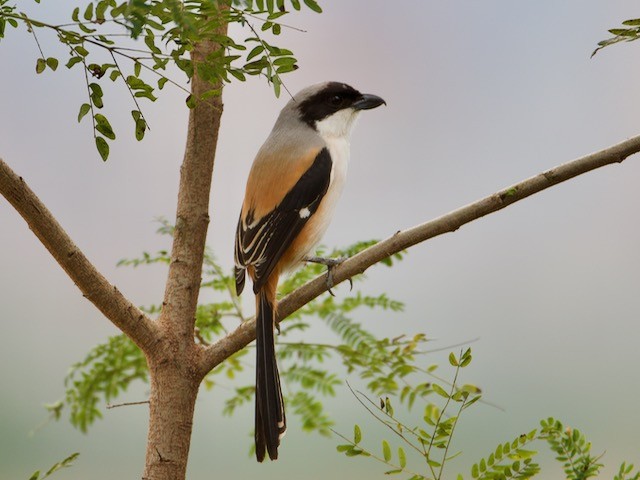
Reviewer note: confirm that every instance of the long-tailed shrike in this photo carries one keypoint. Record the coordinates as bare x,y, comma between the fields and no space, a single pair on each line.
292,190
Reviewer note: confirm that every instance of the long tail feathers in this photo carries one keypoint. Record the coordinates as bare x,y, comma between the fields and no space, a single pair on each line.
270,418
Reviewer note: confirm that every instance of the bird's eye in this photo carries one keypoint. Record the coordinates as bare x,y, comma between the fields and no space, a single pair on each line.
335,100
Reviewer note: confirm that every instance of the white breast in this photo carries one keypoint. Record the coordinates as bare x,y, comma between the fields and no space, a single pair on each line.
320,220
335,131
339,149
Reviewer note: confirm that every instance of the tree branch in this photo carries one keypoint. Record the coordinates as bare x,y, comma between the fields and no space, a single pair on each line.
93,285
401,240
192,216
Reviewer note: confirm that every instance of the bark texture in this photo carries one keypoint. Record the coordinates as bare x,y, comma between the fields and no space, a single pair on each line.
174,368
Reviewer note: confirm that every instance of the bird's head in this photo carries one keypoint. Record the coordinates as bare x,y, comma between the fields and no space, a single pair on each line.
331,108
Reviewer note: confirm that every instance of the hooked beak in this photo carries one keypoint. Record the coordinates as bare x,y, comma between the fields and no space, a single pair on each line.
367,102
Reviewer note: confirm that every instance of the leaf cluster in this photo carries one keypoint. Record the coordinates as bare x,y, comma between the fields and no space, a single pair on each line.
508,460
109,368
431,439
572,449
628,32
106,372
152,36
67,462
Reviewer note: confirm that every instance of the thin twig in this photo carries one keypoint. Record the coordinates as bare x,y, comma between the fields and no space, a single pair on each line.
376,457
125,404
356,394
269,59
86,79
89,39
263,20
35,37
133,97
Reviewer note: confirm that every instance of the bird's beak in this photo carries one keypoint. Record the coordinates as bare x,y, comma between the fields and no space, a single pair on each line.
367,102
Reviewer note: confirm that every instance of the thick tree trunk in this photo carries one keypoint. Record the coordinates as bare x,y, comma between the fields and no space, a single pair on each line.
174,389
174,366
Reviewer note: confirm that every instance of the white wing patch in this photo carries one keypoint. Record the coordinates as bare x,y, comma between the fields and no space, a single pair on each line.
304,212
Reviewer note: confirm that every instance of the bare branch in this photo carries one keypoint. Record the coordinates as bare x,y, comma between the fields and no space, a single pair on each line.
126,404
93,285
401,240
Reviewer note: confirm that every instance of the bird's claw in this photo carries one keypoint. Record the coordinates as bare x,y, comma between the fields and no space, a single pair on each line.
330,263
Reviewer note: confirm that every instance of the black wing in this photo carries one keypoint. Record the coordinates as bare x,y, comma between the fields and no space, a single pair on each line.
261,245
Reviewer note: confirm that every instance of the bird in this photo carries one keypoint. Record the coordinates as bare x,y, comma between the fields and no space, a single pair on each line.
294,183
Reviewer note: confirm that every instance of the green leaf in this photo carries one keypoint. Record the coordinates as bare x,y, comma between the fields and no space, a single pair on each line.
161,82
114,75
402,457
357,434
104,127
386,451
103,148
88,13
141,128
137,67
52,63
522,454
80,50
72,61
67,462
255,52
96,89
453,360
96,94
100,9
313,5
238,74
35,476
40,65
84,109
439,390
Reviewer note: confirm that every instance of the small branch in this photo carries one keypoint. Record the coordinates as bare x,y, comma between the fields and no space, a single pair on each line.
376,457
264,20
93,285
35,37
201,339
133,97
126,404
401,240
267,52
86,81
381,420
93,39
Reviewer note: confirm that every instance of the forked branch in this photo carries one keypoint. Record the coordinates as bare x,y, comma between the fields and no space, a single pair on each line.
401,240
93,285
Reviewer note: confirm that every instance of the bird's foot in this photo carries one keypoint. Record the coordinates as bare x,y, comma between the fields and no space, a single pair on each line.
330,263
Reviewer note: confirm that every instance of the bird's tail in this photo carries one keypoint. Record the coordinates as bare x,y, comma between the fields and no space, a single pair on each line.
270,418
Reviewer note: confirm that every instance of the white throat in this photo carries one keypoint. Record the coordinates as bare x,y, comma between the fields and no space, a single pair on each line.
338,125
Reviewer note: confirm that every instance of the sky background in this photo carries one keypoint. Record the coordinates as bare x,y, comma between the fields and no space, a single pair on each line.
479,96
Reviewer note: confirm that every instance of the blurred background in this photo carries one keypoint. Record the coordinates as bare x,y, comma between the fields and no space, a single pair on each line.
479,96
